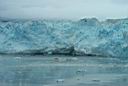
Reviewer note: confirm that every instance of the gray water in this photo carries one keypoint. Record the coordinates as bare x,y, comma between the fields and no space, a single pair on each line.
62,71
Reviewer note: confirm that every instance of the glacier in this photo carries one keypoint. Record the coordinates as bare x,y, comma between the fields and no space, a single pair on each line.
87,36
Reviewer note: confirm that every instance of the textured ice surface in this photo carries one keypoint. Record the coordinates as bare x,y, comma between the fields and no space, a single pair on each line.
83,37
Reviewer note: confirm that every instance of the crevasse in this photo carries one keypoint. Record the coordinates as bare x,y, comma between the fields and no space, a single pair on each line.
83,37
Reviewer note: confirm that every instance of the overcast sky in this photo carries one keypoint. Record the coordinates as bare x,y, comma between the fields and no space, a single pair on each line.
64,9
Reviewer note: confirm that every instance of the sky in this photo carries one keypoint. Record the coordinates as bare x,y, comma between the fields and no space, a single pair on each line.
64,9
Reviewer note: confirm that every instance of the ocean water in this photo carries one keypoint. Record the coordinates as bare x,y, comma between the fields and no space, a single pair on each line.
62,71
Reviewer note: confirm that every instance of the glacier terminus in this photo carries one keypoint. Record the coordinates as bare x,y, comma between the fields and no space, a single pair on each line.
87,36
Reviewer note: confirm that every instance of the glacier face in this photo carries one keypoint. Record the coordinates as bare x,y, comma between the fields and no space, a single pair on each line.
83,37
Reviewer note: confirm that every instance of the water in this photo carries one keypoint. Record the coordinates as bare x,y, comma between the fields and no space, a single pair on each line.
62,71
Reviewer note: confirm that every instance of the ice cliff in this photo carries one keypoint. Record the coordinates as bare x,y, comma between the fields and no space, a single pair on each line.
83,37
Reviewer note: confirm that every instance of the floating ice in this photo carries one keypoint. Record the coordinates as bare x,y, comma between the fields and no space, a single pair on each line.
60,80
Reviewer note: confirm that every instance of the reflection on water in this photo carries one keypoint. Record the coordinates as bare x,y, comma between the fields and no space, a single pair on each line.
62,71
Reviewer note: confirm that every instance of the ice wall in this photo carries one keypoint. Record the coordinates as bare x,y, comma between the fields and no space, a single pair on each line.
83,37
